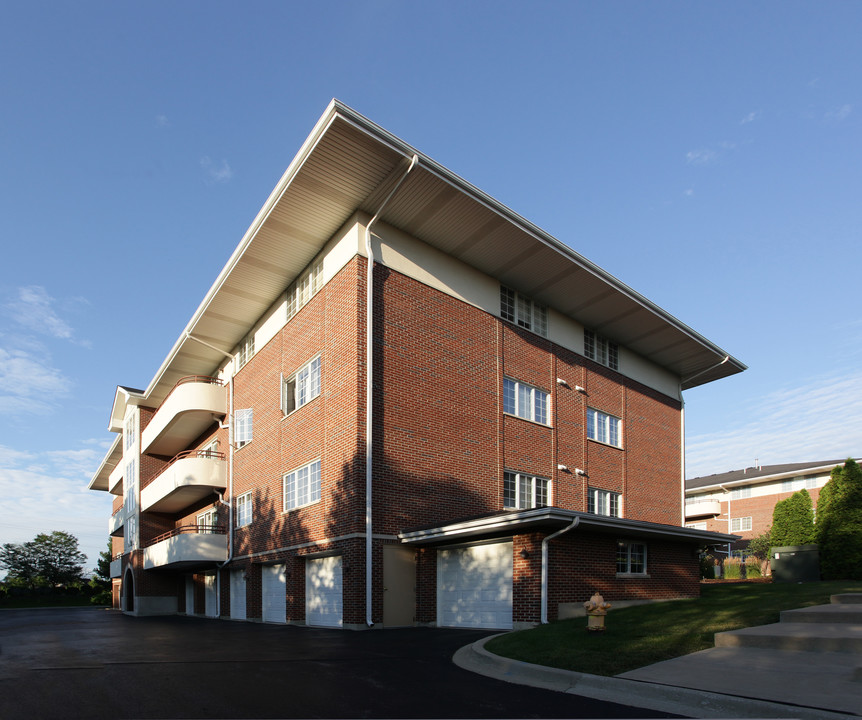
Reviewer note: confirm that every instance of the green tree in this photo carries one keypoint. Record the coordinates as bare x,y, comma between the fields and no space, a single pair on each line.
100,583
759,546
839,524
793,521
50,559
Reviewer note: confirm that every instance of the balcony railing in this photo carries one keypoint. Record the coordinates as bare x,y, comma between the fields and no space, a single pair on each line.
116,522
117,565
193,404
187,547
189,477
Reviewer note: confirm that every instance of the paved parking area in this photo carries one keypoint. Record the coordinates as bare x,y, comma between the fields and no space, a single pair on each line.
93,663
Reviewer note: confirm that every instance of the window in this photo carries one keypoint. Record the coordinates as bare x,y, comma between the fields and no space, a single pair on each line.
740,493
601,350
522,491
299,389
604,502
522,311
131,435
810,482
207,521
603,427
302,486
243,510
631,558
242,430
740,524
787,486
306,286
246,350
696,525
524,401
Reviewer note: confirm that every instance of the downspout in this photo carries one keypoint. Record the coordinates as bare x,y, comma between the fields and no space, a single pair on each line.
544,613
369,378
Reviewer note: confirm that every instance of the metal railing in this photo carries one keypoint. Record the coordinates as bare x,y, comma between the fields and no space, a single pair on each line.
189,530
205,379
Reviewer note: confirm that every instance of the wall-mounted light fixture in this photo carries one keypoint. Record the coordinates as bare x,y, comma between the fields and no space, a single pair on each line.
578,388
563,468
524,553
578,471
560,381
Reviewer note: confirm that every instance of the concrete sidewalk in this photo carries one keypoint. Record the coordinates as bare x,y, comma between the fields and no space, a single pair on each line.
809,665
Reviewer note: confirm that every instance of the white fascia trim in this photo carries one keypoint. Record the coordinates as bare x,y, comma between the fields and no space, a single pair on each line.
381,135
512,522
299,546
104,468
757,480
272,201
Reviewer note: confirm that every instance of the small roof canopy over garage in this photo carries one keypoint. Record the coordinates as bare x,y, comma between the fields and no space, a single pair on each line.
350,164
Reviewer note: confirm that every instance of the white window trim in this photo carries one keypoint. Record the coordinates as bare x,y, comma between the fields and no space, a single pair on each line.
605,418
531,410
594,494
523,311
291,389
743,524
243,430
311,488
246,351
305,287
534,481
206,521
628,573
244,506
601,350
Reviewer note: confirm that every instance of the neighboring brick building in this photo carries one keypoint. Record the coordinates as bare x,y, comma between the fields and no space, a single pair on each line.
742,501
522,446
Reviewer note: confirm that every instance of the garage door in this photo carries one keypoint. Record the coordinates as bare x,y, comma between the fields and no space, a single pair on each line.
323,594
474,586
274,608
210,595
237,594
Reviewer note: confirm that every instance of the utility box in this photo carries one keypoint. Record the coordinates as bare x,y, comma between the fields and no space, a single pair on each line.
795,563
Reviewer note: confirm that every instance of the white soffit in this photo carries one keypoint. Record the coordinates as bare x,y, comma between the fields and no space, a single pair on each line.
349,163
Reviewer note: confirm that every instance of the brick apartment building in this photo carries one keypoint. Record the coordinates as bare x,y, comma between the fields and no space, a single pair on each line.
741,501
504,438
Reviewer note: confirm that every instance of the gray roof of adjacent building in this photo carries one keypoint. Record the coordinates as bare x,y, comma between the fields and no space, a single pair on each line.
760,473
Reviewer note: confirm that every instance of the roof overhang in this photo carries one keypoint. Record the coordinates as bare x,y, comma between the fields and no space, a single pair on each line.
114,456
737,479
550,519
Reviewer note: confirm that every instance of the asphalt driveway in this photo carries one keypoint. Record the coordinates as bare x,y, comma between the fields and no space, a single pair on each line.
93,663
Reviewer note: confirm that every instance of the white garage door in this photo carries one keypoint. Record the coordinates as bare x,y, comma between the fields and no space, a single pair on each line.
323,594
237,594
210,595
474,586
274,594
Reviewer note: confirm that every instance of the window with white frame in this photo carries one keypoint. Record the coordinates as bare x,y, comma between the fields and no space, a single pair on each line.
243,421
740,524
740,493
631,558
604,502
131,434
302,486
305,288
243,509
787,485
300,388
810,482
246,350
525,401
207,521
601,350
522,311
603,427
522,491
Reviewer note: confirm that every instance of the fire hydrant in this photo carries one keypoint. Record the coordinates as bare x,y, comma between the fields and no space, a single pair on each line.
596,608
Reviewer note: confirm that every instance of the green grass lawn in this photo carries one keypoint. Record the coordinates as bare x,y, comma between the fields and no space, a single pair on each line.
646,634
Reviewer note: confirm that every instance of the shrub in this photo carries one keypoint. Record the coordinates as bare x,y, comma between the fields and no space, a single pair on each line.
732,568
839,524
707,567
752,567
793,520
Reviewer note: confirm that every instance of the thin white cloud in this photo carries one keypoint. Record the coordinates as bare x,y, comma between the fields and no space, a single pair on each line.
216,172
750,118
162,121
704,156
819,420
839,114
34,308
28,383
47,491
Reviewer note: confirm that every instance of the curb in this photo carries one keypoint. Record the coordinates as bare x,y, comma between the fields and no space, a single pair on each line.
635,693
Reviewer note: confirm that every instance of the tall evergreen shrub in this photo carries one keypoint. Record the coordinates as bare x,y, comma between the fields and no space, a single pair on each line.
793,521
839,524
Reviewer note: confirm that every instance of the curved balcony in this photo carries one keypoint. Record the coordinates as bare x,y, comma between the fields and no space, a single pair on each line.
189,477
187,547
190,408
115,524
702,508
117,565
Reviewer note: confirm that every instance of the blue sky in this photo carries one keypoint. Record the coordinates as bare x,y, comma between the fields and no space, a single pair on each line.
707,154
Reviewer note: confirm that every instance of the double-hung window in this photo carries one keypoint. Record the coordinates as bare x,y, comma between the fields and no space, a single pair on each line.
305,288
300,388
243,510
521,491
242,430
302,486
246,350
740,524
631,558
601,350
603,427
604,502
740,493
525,401
522,311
